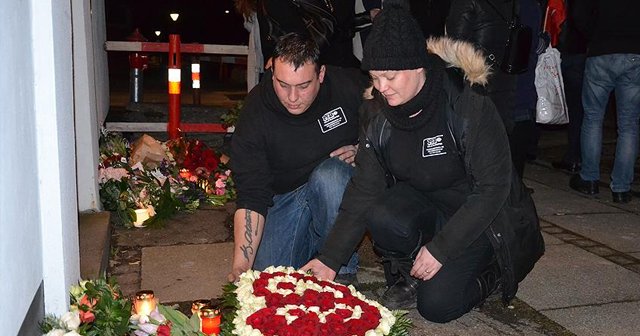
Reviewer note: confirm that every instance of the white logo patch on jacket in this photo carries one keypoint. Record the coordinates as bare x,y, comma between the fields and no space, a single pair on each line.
433,146
332,120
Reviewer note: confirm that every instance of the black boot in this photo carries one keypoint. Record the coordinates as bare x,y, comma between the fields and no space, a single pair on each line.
489,281
402,288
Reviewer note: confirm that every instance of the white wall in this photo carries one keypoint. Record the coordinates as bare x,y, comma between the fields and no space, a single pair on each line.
38,202
20,267
87,53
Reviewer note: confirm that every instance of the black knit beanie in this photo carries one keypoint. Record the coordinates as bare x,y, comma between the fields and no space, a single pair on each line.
395,41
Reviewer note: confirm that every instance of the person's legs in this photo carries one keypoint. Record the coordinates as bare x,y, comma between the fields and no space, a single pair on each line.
285,237
628,115
519,141
598,84
400,222
326,186
573,75
458,286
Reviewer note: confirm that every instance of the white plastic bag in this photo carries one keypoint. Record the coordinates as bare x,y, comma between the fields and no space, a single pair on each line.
551,107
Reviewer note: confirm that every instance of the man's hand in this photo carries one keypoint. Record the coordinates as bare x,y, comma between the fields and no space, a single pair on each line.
346,153
319,270
425,266
236,271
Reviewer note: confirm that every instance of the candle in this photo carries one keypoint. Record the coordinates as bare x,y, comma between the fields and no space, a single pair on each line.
197,305
184,173
141,216
210,320
145,302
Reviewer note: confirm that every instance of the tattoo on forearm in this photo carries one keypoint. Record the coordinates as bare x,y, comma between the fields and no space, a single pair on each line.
247,249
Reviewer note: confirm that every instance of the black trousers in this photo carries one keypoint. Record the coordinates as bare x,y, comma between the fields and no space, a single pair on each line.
397,221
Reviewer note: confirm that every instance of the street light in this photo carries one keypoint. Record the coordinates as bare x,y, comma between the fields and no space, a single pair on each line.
174,16
157,32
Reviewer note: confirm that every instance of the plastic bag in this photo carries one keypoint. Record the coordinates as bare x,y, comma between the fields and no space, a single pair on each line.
551,107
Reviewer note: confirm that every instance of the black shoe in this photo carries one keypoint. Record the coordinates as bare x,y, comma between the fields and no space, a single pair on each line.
572,168
586,187
347,279
401,295
621,197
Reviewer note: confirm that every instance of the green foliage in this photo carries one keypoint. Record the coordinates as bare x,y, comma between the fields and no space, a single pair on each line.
231,117
230,305
402,325
181,325
112,310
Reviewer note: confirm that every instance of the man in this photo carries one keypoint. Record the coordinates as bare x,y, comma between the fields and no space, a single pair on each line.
613,63
291,156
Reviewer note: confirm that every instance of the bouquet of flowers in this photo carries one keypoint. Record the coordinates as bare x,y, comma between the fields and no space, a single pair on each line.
285,302
161,178
98,308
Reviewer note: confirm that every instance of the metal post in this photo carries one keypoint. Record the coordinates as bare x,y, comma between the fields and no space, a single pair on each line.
174,64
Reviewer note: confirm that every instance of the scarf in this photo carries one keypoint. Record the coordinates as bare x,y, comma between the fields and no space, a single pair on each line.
429,100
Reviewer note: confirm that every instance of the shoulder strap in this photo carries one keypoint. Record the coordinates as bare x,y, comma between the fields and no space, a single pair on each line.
381,130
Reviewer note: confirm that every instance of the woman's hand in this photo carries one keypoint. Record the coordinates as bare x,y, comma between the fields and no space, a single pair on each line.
319,270
425,266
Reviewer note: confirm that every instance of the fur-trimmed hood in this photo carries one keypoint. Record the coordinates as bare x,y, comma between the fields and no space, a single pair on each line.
459,54
463,55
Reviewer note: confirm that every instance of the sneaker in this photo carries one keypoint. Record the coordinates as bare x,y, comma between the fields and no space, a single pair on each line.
401,295
346,279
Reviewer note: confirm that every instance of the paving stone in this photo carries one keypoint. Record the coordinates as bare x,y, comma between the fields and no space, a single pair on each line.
620,231
551,202
551,239
612,319
622,259
203,226
569,276
186,272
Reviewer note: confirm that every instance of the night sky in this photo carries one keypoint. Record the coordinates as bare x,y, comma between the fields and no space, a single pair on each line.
200,21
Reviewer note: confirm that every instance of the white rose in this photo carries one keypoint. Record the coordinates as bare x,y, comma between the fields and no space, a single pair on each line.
55,332
72,333
71,320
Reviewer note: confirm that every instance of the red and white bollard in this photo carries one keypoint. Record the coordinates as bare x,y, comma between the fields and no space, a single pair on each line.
195,80
174,64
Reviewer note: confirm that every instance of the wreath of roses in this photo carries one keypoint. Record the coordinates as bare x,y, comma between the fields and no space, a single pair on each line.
285,302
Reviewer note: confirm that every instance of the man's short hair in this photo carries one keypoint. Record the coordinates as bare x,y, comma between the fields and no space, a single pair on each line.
297,49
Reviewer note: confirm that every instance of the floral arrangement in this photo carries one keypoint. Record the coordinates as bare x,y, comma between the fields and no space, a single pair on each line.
98,308
285,302
162,178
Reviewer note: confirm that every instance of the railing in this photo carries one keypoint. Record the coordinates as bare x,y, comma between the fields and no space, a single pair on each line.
174,48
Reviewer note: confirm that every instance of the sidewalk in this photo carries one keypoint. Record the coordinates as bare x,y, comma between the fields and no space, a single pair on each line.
587,283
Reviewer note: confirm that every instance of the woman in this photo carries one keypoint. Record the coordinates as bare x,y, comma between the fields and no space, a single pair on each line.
434,182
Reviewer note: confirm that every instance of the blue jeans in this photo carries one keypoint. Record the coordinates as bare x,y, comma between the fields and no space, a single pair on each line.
300,220
603,74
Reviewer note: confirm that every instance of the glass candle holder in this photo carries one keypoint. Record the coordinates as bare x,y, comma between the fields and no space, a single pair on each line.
141,216
210,320
145,302
197,305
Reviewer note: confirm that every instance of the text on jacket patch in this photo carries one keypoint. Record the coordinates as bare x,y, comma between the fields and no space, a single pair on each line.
332,120
433,146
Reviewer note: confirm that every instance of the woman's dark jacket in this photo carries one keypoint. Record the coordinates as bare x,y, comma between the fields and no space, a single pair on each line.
497,206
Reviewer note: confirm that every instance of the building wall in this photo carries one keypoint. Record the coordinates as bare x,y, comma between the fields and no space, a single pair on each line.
38,199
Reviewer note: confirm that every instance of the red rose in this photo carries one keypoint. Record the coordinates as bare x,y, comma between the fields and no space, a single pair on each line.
164,330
